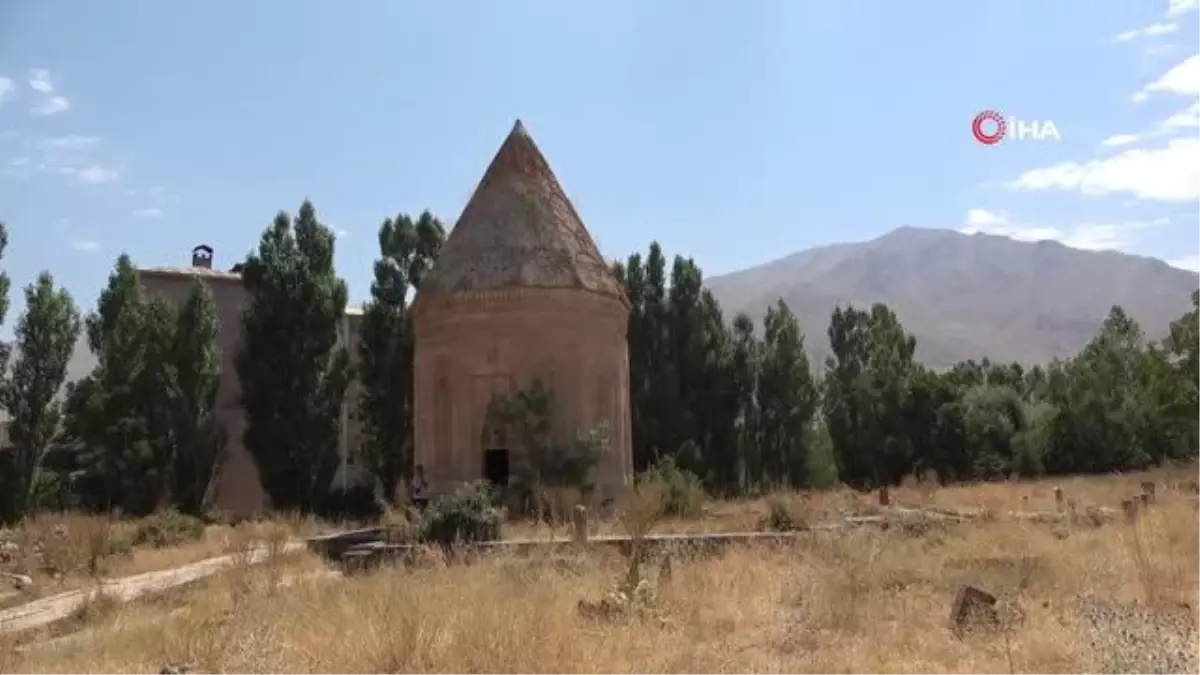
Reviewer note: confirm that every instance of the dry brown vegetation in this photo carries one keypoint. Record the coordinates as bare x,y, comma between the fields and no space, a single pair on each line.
66,551
1111,597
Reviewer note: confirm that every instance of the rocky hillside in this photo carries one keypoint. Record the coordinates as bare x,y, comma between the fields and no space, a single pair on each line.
967,296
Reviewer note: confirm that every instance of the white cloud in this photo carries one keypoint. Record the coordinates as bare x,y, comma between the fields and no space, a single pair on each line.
96,174
1167,174
92,174
984,218
70,157
50,103
982,221
84,245
1117,140
1151,48
150,212
1087,236
1184,78
6,87
51,106
1189,262
341,234
1178,7
39,81
70,142
1160,28
1184,119
1189,117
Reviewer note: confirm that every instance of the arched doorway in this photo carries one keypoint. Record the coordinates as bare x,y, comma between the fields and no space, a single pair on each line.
497,465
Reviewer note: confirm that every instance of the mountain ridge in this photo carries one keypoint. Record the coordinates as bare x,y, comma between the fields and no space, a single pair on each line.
966,295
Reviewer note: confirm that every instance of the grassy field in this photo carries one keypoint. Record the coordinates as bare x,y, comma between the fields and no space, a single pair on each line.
1098,595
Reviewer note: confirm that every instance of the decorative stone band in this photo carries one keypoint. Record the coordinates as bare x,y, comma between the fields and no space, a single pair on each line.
433,312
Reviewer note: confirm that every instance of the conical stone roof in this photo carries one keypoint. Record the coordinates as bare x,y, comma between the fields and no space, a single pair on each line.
519,230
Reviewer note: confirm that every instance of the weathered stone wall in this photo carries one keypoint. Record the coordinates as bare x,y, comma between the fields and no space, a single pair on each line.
471,345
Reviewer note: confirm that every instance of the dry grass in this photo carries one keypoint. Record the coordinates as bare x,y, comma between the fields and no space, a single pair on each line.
823,507
863,600
67,551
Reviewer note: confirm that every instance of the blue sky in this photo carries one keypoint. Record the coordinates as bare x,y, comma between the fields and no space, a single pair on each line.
735,132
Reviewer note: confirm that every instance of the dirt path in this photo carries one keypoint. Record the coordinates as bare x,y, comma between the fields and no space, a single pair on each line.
83,637
56,607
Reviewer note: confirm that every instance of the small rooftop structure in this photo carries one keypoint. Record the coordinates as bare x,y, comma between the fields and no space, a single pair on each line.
202,260
202,256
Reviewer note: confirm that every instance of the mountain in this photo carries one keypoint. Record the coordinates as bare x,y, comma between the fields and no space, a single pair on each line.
966,296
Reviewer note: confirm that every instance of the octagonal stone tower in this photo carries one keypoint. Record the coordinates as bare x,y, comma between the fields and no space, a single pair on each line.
519,292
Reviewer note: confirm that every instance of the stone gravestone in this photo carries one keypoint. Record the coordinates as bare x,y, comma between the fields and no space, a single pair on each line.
1130,507
973,608
176,668
579,517
1149,490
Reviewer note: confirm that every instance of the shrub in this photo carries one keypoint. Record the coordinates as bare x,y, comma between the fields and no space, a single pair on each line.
781,517
466,515
168,528
681,492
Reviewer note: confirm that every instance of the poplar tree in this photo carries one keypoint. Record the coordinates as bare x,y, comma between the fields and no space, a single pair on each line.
46,335
292,368
407,249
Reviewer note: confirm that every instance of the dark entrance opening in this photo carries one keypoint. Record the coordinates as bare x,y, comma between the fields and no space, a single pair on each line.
495,466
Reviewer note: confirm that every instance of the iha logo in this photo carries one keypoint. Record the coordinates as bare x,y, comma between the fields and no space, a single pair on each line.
990,127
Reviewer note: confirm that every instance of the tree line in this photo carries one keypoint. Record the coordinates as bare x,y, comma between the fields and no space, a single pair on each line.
742,407
737,405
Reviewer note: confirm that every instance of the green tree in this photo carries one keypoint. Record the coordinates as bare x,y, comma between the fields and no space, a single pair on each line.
1180,395
1167,414
684,378
867,390
650,383
733,408
292,369
46,335
992,417
155,390
143,425
822,462
788,397
107,413
1103,411
407,249
199,438
5,285
745,366
934,422
698,385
